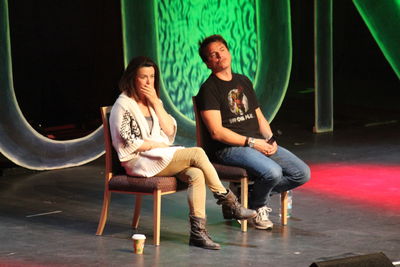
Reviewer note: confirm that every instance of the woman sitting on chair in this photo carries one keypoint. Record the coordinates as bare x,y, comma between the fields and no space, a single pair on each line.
143,133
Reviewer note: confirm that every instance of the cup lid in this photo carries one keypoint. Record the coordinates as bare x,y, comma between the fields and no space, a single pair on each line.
138,236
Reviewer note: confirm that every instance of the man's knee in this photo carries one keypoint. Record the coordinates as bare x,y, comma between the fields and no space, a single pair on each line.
273,176
306,176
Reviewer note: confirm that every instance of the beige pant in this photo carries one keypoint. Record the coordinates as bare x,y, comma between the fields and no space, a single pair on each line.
192,166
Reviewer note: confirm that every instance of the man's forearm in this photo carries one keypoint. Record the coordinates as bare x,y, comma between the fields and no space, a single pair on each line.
265,128
266,131
224,135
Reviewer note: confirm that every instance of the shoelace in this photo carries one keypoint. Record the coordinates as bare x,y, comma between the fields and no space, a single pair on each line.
263,212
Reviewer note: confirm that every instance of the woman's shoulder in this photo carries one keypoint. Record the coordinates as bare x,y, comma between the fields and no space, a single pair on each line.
123,101
121,105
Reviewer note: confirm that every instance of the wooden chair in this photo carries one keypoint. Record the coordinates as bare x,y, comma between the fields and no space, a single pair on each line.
117,181
233,174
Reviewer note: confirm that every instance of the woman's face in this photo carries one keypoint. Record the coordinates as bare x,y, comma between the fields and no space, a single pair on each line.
144,76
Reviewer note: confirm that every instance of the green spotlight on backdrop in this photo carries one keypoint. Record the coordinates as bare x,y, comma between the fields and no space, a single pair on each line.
258,33
182,24
383,20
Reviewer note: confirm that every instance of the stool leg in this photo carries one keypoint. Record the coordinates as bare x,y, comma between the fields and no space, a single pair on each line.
244,182
284,204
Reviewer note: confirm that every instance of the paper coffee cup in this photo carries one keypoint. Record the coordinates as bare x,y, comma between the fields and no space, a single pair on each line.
138,243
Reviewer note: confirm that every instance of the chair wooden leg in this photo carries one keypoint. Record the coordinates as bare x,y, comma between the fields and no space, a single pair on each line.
156,216
104,212
284,203
136,214
244,182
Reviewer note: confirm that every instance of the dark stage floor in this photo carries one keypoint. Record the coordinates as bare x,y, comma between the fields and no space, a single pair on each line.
351,207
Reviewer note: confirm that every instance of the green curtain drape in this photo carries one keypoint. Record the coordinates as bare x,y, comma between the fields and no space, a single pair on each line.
383,21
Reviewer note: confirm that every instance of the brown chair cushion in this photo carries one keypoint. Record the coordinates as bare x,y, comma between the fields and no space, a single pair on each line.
226,172
145,185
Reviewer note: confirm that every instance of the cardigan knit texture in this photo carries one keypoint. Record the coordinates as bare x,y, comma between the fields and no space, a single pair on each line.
129,129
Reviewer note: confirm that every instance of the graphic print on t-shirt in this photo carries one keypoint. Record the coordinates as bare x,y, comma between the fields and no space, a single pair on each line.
238,103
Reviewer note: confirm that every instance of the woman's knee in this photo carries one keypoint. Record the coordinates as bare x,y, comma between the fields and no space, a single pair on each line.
195,176
199,156
199,152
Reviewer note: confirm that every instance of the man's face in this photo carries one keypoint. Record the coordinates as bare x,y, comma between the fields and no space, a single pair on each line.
218,57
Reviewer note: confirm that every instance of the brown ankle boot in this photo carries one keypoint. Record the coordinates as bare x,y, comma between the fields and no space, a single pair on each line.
231,208
199,236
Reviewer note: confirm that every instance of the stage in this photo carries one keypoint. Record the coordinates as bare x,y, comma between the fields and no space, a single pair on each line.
350,207
61,70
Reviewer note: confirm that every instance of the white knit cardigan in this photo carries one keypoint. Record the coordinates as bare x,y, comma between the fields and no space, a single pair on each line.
129,129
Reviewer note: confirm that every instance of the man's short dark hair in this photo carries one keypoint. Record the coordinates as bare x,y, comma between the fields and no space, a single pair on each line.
208,40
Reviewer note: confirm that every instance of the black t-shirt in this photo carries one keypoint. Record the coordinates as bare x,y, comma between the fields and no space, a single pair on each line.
237,102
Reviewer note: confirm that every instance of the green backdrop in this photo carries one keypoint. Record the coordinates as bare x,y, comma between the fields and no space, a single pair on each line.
383,21
259,36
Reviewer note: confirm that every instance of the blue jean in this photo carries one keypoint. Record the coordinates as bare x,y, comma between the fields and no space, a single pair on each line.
277,173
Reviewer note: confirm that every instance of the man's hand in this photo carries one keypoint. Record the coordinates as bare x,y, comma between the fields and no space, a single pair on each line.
265,148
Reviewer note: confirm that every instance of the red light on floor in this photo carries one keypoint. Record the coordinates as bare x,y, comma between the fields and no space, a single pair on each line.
377,185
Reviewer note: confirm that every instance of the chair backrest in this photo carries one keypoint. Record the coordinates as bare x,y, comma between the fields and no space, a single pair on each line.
203,137
113,165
